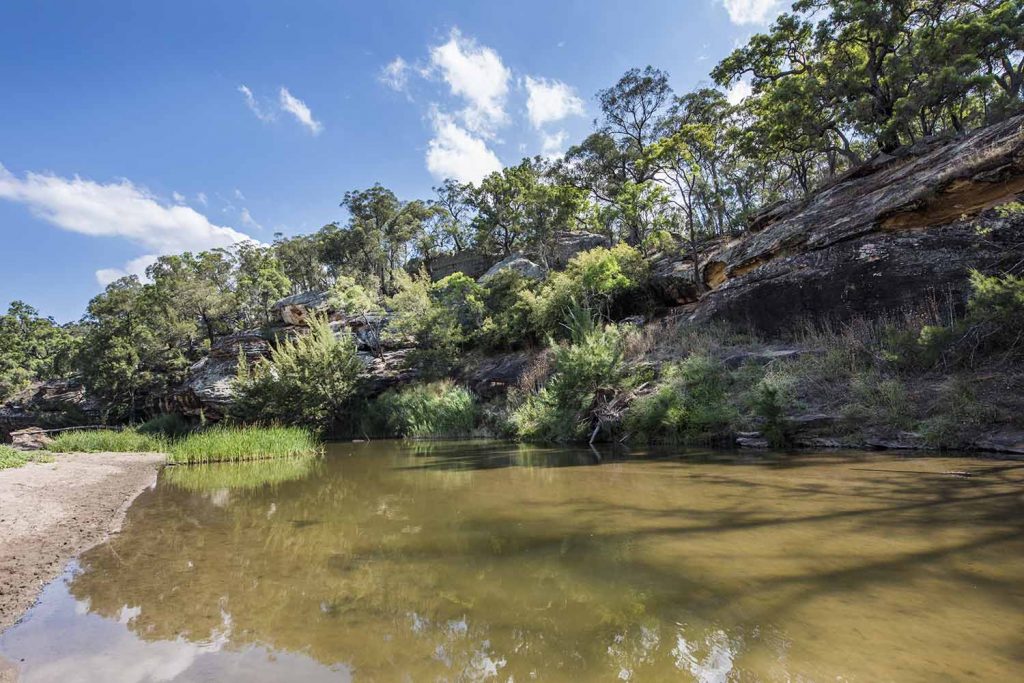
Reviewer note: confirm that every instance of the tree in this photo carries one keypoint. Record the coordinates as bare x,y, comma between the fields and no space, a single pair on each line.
260,281
453,215
31,348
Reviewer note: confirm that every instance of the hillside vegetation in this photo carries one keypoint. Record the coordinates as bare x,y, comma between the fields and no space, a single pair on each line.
839,88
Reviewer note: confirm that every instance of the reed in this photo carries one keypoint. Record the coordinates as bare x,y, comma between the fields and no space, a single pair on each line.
107,441
234,444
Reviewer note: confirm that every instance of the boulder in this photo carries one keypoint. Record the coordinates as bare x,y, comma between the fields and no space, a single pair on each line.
493,376
31,439
516,262
895,231
1008,441
566,244
296,309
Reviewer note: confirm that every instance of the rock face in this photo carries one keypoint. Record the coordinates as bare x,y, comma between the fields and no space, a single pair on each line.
568,244
515,262
296,309
207,389
31,439
51,404
885,237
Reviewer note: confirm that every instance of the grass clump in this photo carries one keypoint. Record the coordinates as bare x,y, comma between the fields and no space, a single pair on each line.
107,441
690,405
240,476
220,444
12,457
170,425
438,409
588,368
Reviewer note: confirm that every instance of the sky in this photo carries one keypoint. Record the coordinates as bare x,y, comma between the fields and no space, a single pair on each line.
134,129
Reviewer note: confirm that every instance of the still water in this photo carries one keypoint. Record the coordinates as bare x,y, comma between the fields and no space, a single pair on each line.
391,561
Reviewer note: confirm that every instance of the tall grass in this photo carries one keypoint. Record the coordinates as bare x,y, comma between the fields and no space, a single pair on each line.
439,409
220,444
107,441
10,457
240,476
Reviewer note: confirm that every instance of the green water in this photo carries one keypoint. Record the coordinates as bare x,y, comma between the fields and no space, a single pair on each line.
487,561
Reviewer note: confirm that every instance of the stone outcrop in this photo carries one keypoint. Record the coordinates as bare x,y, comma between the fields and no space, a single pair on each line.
296,309
566,244
207,388
51,404
885,237
31,439
469,261
517,263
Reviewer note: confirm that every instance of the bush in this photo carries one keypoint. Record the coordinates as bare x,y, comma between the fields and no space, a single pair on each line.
879,401
170,425
590,365
507,319
438,318
601,280
689,406
307,380
220,444
439,409
956,415
107,441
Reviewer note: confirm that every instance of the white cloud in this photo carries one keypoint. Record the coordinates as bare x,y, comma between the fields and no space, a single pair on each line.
553,145
738,91
135,267
118,209
254,106
300,111
202,198
477,74
395,74
550,100
239,195
752,11
178,197
454,152
248,220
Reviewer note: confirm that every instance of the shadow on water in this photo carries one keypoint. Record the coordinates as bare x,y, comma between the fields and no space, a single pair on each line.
474,559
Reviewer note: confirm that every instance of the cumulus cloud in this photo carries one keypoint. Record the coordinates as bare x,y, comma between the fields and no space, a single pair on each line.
553,144
136,267
254,106
475,73
455,152
119,209
550,100
738,91
248,220
202,198
300,111
752,11
395,74
178,197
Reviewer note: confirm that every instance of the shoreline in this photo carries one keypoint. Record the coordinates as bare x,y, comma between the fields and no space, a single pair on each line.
54,511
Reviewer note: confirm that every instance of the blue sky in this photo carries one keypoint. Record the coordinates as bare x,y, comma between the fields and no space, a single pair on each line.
132,129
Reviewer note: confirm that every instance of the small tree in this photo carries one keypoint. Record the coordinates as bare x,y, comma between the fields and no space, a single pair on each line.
307,380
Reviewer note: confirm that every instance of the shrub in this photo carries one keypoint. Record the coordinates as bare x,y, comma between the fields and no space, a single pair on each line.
438,330
170,425
351,298
955,415
690,405
307,380
879,401
220,444
107,441
428,410
507,318
600,280
591,364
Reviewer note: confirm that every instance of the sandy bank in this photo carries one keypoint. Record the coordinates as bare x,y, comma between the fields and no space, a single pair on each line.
51,512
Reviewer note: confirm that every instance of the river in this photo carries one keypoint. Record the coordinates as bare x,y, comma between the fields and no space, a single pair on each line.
392,561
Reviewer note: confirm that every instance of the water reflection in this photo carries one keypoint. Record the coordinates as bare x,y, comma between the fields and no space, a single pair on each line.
489,561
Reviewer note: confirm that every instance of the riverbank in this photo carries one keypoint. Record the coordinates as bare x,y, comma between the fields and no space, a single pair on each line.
54,511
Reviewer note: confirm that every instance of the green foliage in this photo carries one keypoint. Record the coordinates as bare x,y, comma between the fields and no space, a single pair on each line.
307,380
690,405
998,301
352,299
768,403
438,409
10,457
507,313
32,348
600,280
222,444
956,415
107,441
879,401
241,475
170,425
591,364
